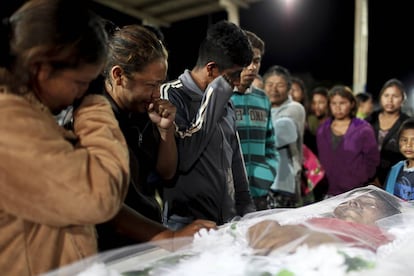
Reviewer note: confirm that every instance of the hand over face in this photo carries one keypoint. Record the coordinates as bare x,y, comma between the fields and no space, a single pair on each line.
162,113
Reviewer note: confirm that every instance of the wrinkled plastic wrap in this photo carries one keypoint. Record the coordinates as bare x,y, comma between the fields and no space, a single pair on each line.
318,239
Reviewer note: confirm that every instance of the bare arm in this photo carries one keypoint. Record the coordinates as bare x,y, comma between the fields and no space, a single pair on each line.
134,225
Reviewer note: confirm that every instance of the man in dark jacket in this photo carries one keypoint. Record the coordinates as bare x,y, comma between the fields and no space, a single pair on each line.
211,181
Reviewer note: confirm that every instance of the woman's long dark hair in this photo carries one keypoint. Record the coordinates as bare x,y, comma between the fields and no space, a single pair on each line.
62,33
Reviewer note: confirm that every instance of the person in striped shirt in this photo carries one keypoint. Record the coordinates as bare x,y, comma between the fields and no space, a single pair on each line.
255,128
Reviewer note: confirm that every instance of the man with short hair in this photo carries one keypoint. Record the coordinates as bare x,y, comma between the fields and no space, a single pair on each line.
211,181
255,128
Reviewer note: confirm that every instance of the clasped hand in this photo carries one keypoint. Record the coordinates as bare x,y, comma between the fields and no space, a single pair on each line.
162,113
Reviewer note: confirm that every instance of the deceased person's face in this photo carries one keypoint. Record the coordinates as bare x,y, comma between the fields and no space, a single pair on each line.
366,208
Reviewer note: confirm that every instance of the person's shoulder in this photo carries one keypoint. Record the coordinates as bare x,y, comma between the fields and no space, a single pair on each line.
171,88
358,121
295,104
285,123
172,85
404,116
9,102
296,111
259,92
361,125
324,126
399,164
23,110
297,107
373,117
10,97
15,106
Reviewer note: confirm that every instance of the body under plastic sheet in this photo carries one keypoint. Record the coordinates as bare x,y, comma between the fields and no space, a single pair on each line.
323,245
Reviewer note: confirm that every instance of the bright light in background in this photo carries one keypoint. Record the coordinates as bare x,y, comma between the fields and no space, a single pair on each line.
289,5
289,8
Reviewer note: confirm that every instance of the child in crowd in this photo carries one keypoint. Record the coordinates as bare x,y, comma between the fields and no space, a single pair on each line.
346,145
318,112
298,91
365,104
255,128
400,180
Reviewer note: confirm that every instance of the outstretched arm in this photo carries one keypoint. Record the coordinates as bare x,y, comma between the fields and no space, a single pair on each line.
134,225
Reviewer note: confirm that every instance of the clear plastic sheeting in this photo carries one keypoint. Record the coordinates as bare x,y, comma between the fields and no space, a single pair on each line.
363,232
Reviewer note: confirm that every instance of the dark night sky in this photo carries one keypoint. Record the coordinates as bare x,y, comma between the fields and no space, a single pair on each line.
313,39
390,50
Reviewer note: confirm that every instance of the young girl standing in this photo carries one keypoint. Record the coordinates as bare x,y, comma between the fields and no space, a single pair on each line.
346,145
400,181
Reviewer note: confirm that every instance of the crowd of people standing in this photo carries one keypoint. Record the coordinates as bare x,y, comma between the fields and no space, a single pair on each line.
142,159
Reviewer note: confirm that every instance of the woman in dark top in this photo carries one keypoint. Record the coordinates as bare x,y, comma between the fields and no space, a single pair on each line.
386,123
